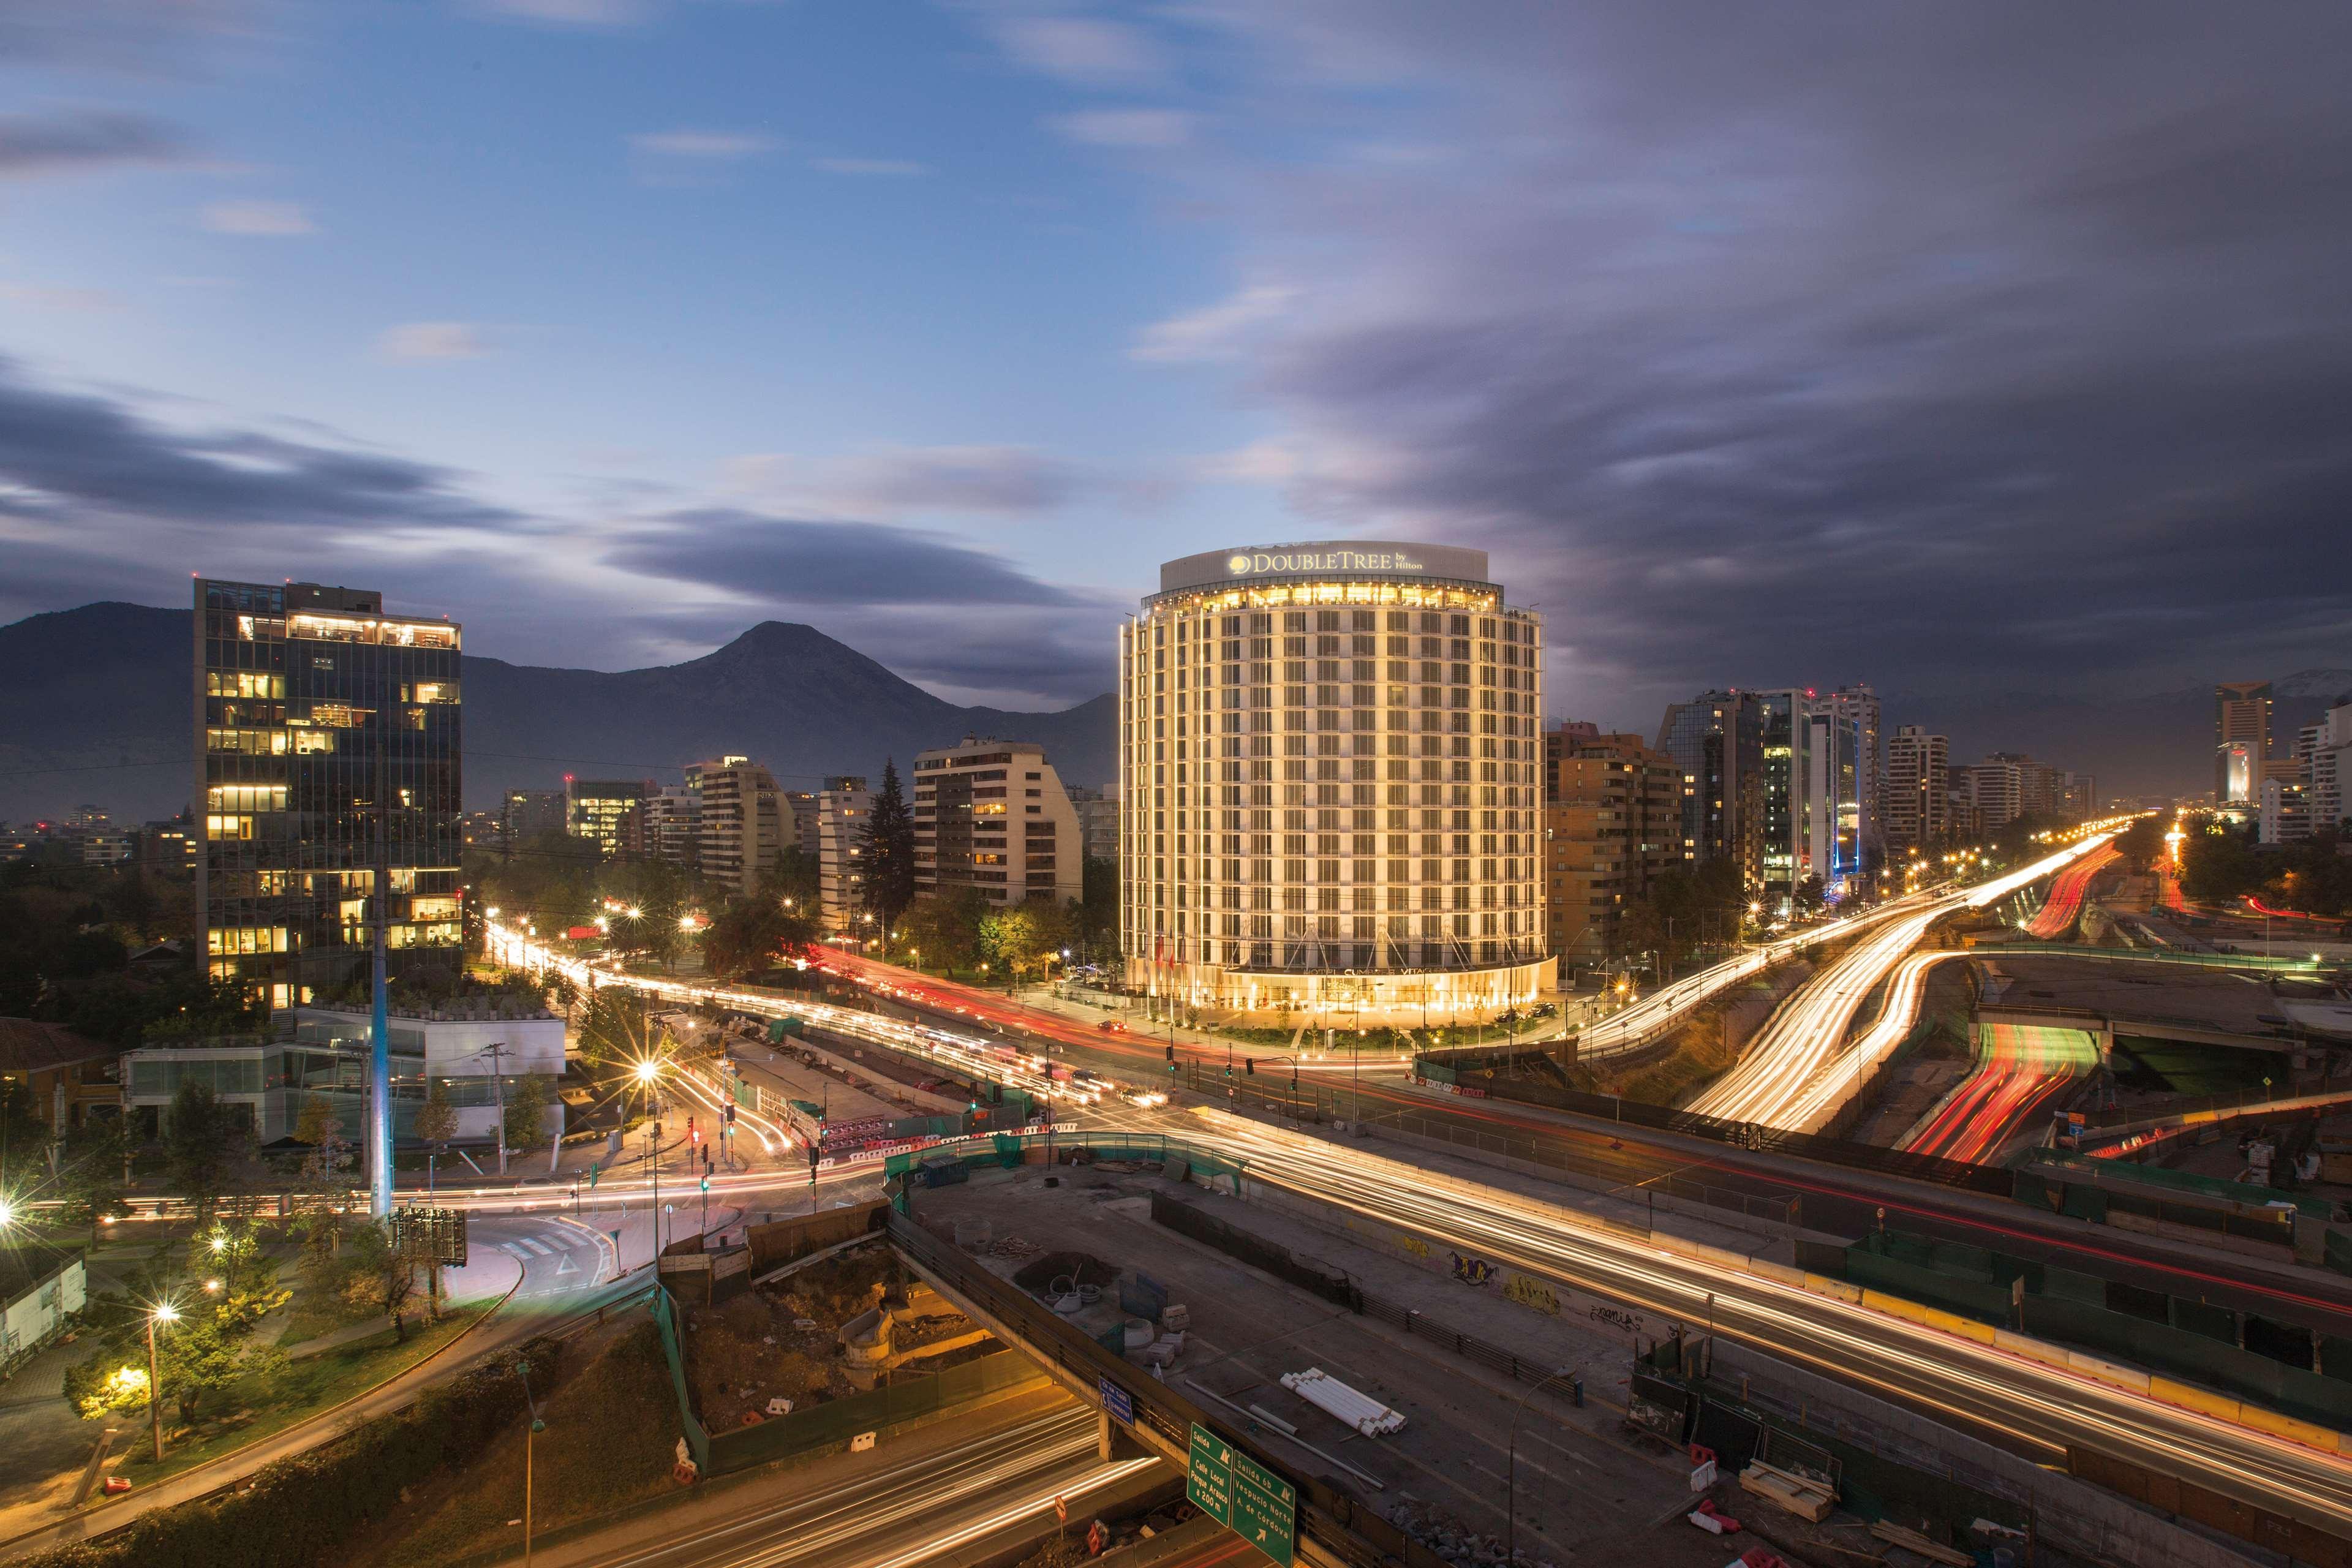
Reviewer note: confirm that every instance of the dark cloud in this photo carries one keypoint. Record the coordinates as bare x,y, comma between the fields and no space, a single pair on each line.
789,561
1982,347
70,139
78,457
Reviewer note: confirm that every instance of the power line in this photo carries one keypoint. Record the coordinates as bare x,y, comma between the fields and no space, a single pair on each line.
463,753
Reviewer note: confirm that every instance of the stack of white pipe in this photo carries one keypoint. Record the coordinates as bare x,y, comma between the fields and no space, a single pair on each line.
1336,1399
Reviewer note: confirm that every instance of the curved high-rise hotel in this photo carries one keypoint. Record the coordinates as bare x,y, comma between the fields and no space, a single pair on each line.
1330,762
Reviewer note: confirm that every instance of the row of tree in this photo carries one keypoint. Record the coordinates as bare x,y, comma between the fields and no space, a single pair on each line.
2220,863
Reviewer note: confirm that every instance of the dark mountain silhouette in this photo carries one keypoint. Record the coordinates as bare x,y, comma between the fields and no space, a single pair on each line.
98,708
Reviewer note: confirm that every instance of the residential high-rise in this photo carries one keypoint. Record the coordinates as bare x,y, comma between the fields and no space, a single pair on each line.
673,826
2242,740
2329,748
327,744
609,811
1835,797
1717,738
1329,760
1612,824
1098,822
1859,705
842,807
802,804
1992,792
992,815
1918,790
742,827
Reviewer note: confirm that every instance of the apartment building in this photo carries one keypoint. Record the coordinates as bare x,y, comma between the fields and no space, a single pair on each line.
843,806
993,815
743,829
1917,797
609,811
1612,824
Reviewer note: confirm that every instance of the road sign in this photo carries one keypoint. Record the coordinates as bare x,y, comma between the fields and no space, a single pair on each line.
430,1236
1118,1402
1266,1510
1241,1494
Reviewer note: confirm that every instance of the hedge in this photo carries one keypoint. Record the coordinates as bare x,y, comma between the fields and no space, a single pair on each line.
298,1511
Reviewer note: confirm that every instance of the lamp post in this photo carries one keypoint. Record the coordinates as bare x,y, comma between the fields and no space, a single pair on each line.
522,1370
1511,1480
648,1072
164,1312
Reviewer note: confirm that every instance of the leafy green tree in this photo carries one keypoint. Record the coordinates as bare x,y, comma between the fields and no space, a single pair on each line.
328,1163
222,1298
754,932
944,932
377,1277
1098,906
2141,843
205,1146
526,1103
436,1119
2218,863
794,876
1023,939
90,1175
24,1137
889,851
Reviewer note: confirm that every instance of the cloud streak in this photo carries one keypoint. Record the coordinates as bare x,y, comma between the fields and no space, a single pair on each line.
262,219
78,141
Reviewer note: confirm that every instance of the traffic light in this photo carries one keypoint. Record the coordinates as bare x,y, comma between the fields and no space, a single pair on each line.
593,1168
730,1114
706,1183
1249,1066
1172,1056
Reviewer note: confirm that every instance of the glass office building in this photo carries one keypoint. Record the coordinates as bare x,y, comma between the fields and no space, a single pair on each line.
1330,788
327,747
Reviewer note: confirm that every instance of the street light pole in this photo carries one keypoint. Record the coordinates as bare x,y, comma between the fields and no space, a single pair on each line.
165,1314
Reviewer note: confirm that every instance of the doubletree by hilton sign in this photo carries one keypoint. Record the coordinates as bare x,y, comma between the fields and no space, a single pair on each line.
1364,558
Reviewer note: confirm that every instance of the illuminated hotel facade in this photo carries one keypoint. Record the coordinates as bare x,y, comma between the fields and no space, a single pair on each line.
1330,771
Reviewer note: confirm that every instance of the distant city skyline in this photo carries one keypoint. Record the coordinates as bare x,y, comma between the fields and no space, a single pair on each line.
935,327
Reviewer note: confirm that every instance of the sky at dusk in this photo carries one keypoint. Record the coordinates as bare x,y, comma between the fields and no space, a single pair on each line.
1989,347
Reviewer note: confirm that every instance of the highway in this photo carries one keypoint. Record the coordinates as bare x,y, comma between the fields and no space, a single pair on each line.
2024,1066
2058,913
2039,1408
1797,1072
915,1510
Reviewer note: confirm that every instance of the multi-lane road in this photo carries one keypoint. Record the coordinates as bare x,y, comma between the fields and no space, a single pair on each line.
1798,1073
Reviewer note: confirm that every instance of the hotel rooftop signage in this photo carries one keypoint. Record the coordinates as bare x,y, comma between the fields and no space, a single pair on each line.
1336,558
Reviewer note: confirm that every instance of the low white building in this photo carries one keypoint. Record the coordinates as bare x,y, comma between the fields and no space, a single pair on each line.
41,1297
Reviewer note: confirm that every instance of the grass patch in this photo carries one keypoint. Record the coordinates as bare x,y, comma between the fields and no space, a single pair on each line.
257,1406
587,1464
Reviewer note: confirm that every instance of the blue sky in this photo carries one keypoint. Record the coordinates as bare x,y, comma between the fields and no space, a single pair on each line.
613,326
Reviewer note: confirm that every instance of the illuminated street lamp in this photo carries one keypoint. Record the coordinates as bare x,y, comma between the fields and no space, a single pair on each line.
164,1312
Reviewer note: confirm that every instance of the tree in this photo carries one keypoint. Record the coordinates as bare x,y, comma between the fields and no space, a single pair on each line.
889,851
90,1174
204,1146
436,1119
24,1137
1024,938
378,1277
945,931
2141,843
330,1154
1097,912
753,933
206,1348
2217,864
527,1102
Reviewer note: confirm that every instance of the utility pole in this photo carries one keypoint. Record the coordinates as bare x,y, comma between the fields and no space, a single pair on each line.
496,1050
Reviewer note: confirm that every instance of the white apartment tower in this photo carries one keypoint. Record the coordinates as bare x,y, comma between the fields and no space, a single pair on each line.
843,806
1330,787
742,826
1918,789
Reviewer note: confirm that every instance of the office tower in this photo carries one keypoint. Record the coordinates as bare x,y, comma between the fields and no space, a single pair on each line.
744,828
842,807
1716,740
1918,790
992,815
1612,824
2242,740
609,811
1785,823
327,748
1329,782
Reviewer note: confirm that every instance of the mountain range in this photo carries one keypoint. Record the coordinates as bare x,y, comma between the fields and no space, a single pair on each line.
97,710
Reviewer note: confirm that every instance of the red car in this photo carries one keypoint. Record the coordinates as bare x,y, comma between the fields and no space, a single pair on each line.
1111,1027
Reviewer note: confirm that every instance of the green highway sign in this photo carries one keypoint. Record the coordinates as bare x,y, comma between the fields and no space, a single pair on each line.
1241,1494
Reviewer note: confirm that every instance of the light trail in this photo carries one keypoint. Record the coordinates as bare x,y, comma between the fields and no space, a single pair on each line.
1797,1073
1985,1385
2058,914
2024,1067
1642,1022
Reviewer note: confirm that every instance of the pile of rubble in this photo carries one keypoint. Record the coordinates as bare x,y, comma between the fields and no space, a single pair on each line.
1455,1541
